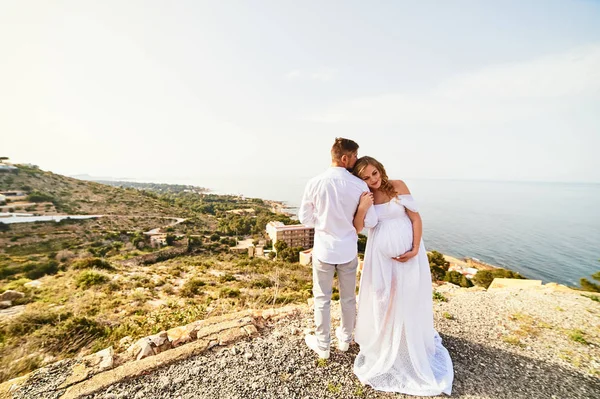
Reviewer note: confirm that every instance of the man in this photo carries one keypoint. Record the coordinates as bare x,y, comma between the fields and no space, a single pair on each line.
329,204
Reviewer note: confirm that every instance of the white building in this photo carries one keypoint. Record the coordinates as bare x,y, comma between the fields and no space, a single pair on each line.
295,235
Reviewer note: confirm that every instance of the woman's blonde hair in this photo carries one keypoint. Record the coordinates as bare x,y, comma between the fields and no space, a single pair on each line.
386,187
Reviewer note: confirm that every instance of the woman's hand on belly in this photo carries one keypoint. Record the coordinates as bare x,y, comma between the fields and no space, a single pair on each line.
406,256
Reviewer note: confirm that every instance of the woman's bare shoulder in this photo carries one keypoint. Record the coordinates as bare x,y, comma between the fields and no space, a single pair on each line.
400,186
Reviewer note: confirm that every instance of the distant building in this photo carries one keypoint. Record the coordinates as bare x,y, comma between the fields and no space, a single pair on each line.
295,235
13,193
158,240
7,168
242,211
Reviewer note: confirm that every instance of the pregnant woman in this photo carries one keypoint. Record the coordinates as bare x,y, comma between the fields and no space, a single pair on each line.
400,351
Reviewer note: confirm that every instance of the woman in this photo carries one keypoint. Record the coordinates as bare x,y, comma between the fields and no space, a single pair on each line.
400,351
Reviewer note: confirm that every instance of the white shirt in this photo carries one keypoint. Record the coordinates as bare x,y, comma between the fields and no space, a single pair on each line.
329,203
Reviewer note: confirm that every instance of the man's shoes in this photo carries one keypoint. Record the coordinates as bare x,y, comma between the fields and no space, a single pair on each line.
312,343
343,346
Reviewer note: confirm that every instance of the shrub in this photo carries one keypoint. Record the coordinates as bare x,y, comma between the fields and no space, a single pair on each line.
262,283
438,265
74,334
483,278
191,287
457,278
436,258
91,263
33,320
227,277
90,278
170,239
587,285
38,196
438,296
229,292
291,255
37,270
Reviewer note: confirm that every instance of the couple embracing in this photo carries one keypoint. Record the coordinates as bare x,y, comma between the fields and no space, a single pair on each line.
400,351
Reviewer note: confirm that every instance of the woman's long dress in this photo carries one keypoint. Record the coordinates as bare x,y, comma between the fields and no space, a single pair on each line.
400,351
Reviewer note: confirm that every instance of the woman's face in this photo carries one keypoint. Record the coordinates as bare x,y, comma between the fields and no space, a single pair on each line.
370,174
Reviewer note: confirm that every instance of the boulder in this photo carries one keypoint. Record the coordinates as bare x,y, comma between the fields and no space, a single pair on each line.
11,295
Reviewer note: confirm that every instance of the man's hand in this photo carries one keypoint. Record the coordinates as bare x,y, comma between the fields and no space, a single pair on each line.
407,255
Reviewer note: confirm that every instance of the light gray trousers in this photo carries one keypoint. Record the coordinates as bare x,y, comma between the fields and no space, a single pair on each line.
322,288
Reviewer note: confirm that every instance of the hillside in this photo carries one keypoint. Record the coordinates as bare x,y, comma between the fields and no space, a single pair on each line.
152,261
84,197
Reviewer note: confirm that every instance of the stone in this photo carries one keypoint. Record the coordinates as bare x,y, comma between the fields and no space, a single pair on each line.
231,335
250,329
160,342
103,359
5,304
11,295
33,284
141,349
181,335
125,342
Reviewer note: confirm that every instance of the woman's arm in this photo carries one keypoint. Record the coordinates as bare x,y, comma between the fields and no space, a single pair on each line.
366,201
417,224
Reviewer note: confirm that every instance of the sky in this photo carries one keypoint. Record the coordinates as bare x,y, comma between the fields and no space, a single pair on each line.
197,91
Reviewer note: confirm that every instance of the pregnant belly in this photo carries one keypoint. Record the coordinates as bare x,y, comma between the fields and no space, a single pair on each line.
392,238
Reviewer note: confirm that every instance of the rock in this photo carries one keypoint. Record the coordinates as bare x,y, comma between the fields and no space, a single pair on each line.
11,295
34,284
248,355
5,304
231,335
141,349
250,330
181,335
102,360
125,342
160,342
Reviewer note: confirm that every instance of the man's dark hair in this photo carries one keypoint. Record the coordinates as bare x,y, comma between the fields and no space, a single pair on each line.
343,146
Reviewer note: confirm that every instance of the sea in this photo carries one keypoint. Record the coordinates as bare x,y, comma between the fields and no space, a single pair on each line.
545,231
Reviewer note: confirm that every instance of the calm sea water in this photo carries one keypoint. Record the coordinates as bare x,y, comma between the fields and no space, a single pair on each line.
547,231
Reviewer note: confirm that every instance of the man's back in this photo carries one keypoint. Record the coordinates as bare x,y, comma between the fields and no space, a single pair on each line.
329,204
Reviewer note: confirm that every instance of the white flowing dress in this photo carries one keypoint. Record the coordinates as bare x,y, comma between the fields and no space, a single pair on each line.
400,351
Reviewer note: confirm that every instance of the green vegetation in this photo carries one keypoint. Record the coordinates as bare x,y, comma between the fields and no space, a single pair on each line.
587,285
89,278
578,336
438,296
103,279
484,278
457,278
92,263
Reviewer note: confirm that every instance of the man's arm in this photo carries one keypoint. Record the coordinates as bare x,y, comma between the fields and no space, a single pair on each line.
306,213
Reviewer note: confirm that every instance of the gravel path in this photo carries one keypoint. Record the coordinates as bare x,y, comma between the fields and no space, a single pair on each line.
472,324
505,344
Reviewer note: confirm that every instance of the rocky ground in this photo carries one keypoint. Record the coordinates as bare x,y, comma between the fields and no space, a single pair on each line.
504,344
